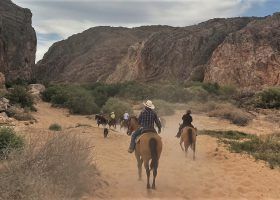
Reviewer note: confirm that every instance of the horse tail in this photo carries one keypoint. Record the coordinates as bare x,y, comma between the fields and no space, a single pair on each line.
190,133
154,154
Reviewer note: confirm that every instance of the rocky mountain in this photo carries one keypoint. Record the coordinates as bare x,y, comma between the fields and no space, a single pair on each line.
180,54
92,55
237,51
249,57
17,41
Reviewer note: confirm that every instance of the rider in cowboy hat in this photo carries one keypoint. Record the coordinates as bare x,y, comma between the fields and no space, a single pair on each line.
147,120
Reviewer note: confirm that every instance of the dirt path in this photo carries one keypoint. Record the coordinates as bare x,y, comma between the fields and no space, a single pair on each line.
216,174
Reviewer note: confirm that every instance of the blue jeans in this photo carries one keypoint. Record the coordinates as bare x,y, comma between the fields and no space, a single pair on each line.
134,135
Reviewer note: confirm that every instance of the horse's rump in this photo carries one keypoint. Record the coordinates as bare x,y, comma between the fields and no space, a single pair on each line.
188,134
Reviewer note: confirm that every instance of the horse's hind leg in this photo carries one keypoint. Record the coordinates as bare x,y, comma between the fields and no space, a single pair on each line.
193,148
139,165
181,142
154,178
186,149
148,174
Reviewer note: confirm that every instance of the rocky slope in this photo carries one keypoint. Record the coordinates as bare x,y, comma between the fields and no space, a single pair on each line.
17,41
92,55
249,57
180,54
236,51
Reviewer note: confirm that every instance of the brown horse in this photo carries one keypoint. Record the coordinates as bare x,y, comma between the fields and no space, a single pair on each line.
188,136
148,148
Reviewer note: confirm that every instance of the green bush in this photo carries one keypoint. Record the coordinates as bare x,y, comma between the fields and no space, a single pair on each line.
163,108
269,98
82,102
55,127
117,106
19,95
9,141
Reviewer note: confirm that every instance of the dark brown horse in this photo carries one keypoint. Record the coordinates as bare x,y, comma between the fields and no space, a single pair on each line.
148,148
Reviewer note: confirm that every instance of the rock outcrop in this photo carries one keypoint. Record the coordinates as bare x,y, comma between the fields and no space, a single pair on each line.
249,58
177,55
17,41
237,51
90,56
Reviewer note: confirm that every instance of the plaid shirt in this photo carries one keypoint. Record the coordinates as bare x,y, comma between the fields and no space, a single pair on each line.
147,118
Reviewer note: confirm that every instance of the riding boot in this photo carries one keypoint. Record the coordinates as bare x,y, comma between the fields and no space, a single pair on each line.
132,141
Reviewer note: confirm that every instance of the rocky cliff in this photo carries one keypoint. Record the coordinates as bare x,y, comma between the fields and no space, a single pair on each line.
249,57
177,55
17,41
92,55
236,51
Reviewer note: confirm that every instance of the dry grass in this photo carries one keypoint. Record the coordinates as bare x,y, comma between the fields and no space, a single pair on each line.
58,168
231,113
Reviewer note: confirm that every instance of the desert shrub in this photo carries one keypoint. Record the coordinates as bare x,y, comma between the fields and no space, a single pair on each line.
197,93
118,106
163,108
227,90
233,135
58,168
269,98
55,127
23,116
19,95
267,149
261,148
212,88
76,98
231,113
50,92
82,102
9,141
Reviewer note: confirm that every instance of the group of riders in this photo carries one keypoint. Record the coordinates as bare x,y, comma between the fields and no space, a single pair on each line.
147,120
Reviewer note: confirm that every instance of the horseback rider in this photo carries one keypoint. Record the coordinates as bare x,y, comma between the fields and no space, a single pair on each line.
112,116
187,122
147,120
125,116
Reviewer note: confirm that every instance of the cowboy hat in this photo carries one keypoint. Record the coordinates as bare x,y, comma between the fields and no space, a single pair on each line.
112,113
149,104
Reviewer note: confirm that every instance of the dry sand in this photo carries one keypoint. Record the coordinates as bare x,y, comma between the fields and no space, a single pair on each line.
216,173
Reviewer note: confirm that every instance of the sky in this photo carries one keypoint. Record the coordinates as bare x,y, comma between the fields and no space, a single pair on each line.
55,20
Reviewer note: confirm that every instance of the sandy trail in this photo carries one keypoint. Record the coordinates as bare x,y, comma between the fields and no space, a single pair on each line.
216,173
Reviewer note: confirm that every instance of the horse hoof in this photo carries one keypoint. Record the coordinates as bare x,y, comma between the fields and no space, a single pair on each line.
148,186
153,187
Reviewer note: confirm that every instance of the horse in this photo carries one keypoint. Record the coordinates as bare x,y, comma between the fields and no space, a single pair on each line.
112,122
101,120
188,137
123,123
148,148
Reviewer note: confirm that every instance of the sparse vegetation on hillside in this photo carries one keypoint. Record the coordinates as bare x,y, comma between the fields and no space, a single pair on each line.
20,96
59,168
163,108
117,106
261,148
231,113
9,141
78,99
269,98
